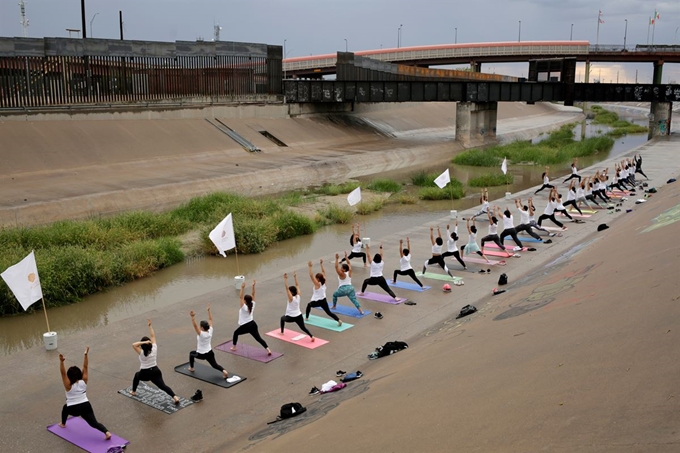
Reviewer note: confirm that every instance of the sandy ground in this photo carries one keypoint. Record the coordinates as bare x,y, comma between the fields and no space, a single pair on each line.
578,355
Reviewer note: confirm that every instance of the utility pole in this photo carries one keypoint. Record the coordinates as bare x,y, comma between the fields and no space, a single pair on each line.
519,35
571,35
120,22
24,21
625,34
82,17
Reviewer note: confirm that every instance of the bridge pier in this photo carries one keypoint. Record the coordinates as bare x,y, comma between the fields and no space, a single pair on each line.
660,119
658,72
476,123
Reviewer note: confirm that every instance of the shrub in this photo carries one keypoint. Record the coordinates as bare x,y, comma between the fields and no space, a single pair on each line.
491,180
367,207
335,189
454,188
403,198
336,214
291,224
384,185
478,158
424,179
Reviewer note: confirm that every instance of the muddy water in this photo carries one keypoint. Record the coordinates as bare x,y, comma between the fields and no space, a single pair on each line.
200,276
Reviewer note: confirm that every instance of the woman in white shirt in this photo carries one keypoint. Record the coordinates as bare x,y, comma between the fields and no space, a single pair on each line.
319,293
546,180
437,257
293,313
405,263
549,212
355,242
204,344
246,322
376,277
574,171
509,228
452,245
77,404
345,287
471,246
493,232
571,198
484,201
147,349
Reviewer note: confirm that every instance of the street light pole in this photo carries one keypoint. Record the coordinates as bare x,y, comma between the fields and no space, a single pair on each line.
399,36
519,35
92,20
456,38
284,57
625,34
346,47
571,34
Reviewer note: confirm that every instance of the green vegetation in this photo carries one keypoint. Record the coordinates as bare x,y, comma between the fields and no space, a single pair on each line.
403,198
619,127
367,207
384,185
336,189
454,188
424,179
627,130
491,180
335,214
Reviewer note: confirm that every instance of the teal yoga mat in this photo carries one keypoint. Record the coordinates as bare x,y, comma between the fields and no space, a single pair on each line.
328,323
442,277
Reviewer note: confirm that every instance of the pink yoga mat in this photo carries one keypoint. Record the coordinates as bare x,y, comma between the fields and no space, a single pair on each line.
80,434
496,252
302,339
482,261
508,247
249,352
381,298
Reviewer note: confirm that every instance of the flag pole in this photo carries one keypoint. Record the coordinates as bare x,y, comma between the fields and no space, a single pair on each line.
451,190
45,311
238,269
597,41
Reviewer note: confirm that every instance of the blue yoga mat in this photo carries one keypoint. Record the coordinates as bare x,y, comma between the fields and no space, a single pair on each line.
348,311
408,285
523,239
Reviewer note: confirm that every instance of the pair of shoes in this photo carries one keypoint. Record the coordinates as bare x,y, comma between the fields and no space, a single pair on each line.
198,396
378,315
409,302
340,373
549,241
314,391
482,271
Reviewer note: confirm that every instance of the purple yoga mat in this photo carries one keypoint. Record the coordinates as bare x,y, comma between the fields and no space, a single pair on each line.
80,434
382,298
249,352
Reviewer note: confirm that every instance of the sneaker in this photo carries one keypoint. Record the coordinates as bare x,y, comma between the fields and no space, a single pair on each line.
548,241
516,249
378,315
314,391
198,396
340,373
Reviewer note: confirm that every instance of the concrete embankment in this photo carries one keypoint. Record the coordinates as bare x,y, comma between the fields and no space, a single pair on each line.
77,168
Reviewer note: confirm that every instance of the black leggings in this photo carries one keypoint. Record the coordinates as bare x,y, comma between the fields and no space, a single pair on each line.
410,272
601,194
209,356
544,186
639,170
297,320
551,217
493,238
154,375
323,304
572,176
591,197
251,328
379,281
361,255
512,232
83,410
455,254
439,259
527,228
572,203
564,211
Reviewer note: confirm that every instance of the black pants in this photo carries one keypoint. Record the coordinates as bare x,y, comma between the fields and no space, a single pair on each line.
83,410
527,228
544,186
154,375
512,232
551,217
361,255
378,281
601,194
618,186
439,259
251,328
639,170
564,211
297,320
209,356
455,254
572,176
323,304
410,272
493,238
591,197
572,203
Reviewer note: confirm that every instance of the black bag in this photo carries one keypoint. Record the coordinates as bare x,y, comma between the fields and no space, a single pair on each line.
391,347
291,410
467,310
503,279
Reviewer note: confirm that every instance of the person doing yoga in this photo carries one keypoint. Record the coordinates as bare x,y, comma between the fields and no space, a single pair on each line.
524,220
147,350
493,231
437,257
471,246
571,198
376,277
246,322
355,240
509,228
560,207
546,180
319,293
532,218
484,201
549,212
574,171
293,313
77,404
405,263
345,287
638,165
204,349
452,244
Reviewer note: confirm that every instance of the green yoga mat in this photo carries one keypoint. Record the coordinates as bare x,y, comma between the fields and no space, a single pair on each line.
327,323
442,277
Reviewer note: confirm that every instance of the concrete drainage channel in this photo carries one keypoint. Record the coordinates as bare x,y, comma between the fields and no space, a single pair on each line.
248,146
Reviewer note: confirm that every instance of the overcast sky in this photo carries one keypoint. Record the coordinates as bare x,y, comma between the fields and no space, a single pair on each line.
321,26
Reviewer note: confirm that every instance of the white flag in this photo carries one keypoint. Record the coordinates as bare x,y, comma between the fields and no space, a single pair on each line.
23,280
354,196
504,166
223,235
443,179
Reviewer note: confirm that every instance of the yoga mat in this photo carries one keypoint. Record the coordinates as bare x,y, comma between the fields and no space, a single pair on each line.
481,261
408,285
208,374
497,252
574,215
442,277
156,398
327,323
348,311
381,298
523,239
300,339
249,352
494,246
80,434
555,228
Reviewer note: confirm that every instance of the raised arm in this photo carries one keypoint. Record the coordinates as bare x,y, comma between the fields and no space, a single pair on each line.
337,265
408,244
349,266
368,253
468,225
62,369
85,363
323,271
439,233
210,320
253,293
297,284
137,346
571,184
193,321
312,277
401,248
432,235
241,293
285,283
358,230
152,334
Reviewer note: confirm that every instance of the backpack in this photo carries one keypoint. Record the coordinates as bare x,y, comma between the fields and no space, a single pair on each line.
290,410
390,348
466,310
503,279
117,449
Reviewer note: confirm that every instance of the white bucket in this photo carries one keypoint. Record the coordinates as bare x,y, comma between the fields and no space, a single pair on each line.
366,241
508,195
50,339
454,214
238,280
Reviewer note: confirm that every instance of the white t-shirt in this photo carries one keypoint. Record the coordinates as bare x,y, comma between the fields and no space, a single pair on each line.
356,248
589,190
550,208
451,245
243,316
601,186
405,263
508,222
319,294
436,249
377,269
473,238
560,206
524,216
293,307
344,281
485,206
493,228
546,180
574,171
579,192
148,361
77,394
571,195
203,341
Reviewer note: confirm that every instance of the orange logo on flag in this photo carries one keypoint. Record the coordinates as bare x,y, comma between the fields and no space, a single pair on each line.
31,277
